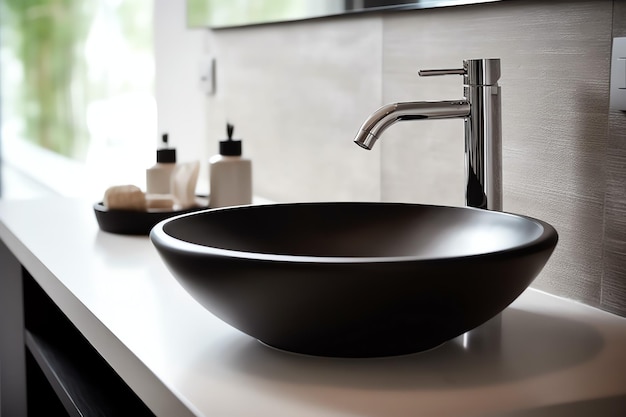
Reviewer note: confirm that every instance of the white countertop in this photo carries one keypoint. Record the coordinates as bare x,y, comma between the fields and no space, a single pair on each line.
555,357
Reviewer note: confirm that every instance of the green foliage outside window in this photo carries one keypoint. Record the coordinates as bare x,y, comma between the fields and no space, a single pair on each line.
48,40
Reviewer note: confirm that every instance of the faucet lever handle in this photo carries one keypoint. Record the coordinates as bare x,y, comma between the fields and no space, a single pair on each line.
431,72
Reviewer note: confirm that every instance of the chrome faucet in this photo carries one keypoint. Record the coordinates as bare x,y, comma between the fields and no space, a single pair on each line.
480,108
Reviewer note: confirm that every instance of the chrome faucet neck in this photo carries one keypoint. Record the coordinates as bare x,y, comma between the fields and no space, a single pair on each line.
481,110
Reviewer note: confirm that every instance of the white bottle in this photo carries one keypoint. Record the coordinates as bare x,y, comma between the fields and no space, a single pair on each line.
230,175
159,176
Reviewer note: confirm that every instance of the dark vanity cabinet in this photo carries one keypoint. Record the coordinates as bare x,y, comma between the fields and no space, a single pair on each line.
48,367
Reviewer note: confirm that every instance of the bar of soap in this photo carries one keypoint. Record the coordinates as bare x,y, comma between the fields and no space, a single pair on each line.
159,201
124,197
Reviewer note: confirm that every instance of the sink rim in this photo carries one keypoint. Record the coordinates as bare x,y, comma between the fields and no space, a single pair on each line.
546,238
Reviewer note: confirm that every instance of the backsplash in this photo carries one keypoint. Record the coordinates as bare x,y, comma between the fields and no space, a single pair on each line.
298,92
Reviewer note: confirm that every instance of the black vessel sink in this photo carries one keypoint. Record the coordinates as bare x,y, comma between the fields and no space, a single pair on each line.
354,279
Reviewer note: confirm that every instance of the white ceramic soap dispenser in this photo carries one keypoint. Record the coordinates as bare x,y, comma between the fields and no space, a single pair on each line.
230,174
159,176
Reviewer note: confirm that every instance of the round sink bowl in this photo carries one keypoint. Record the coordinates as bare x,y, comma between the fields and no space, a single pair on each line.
354,279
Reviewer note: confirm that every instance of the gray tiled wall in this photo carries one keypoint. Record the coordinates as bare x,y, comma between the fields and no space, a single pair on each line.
296,94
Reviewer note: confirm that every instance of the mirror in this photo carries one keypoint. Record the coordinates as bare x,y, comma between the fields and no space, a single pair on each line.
217,14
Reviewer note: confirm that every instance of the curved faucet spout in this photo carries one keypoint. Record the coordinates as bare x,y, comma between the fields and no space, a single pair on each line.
387,115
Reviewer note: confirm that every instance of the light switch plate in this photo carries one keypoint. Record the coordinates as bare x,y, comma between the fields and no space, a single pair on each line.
207,75
618,75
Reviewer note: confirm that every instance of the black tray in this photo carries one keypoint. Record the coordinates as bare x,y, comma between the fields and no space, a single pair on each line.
131,222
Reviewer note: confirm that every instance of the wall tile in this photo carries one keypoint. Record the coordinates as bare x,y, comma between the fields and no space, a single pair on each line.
297,94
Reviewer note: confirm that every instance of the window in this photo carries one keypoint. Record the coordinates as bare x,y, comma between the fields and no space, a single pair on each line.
78,107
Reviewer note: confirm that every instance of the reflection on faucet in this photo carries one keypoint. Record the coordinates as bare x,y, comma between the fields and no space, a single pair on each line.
387,115
483,128
475,195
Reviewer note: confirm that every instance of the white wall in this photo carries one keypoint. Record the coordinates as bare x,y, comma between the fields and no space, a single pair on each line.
181,103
